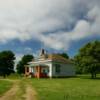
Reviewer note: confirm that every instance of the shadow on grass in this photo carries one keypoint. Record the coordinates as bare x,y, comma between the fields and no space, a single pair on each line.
88,77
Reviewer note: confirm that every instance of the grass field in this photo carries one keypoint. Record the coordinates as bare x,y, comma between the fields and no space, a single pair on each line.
4,86
67,89
79,88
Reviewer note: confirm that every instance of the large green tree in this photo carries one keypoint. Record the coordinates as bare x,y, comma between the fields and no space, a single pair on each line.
65,55
6,62
25,59
88,58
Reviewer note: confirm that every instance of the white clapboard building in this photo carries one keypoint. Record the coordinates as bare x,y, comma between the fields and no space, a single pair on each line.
50,65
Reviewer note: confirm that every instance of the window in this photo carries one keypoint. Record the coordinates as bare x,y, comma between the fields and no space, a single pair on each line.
57,68
44,71
27,69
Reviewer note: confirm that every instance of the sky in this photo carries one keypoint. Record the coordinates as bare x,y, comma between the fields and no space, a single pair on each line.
26,26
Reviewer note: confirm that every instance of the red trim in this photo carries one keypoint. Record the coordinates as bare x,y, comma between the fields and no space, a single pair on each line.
39,74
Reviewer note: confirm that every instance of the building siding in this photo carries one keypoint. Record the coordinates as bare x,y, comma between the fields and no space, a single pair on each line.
65,70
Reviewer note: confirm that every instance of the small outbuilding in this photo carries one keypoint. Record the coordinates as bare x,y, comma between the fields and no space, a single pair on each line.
50,65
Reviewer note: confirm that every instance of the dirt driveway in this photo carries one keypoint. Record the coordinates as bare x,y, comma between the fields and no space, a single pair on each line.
20,91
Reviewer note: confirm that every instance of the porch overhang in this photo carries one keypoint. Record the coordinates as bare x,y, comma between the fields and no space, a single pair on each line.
34,65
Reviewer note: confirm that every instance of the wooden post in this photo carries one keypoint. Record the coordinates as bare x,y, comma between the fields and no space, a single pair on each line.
39,72
36,73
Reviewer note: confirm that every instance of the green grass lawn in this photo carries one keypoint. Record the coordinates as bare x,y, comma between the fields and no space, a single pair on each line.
4,86
67,89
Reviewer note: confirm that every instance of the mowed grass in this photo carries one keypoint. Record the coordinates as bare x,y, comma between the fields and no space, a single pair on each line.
67,89
4,86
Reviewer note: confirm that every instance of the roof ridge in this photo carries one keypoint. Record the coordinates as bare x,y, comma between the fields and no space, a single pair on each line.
58,58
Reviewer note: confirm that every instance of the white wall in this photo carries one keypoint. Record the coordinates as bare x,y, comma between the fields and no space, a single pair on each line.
31,69
65,70
49,64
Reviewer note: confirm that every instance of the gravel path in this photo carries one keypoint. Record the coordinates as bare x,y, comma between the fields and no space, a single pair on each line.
14,92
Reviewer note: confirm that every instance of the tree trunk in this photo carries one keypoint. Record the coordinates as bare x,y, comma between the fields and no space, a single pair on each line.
4,76
93,75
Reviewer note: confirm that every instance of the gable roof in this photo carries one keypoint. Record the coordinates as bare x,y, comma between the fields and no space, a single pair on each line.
54,58
58,58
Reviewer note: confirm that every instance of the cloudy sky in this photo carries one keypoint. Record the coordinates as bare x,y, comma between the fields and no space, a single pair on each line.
57,25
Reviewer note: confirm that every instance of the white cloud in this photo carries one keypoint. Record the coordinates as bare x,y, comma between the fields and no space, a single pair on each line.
28,50
18,57
30,19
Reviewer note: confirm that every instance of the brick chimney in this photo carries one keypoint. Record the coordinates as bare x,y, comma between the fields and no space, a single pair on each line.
42,52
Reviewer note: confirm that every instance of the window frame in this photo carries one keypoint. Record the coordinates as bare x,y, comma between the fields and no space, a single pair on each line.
57,68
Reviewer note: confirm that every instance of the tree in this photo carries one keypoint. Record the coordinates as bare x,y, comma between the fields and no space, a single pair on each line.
88,58
65,55
25,59
6,62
